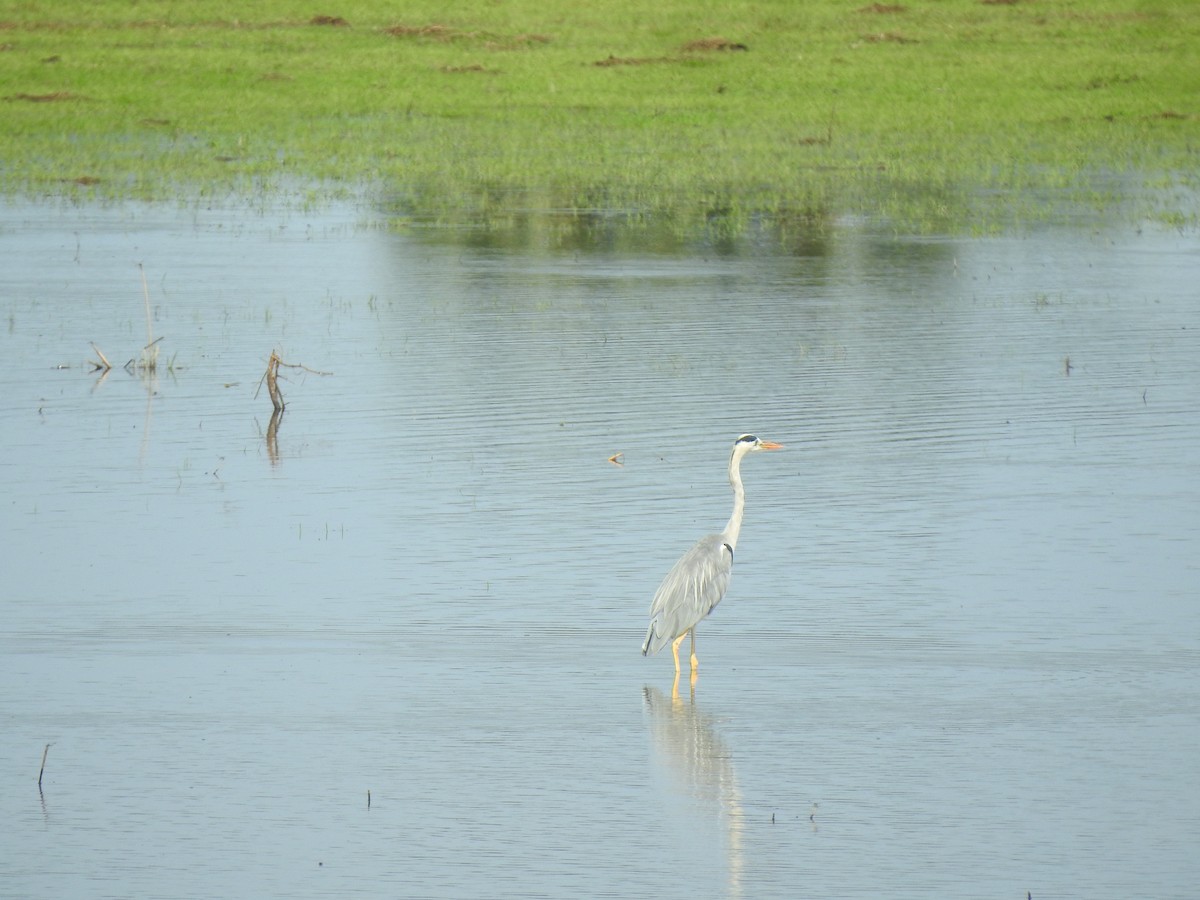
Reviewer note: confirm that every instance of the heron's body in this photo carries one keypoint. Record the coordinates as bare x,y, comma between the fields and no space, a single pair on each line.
698,581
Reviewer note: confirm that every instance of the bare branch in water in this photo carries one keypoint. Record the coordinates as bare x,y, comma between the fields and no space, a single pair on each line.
271,377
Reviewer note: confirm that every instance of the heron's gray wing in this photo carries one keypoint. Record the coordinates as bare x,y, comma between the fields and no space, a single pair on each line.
695,584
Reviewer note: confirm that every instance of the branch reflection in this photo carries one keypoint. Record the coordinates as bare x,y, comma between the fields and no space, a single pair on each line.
273,436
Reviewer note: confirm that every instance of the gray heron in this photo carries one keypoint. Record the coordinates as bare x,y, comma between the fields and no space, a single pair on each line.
699,580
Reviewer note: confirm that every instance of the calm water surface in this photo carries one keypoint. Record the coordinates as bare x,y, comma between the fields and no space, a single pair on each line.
959,656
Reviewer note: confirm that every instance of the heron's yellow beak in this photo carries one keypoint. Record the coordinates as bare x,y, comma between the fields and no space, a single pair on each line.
770,445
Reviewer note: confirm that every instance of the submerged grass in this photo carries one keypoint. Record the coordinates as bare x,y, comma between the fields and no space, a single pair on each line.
936,113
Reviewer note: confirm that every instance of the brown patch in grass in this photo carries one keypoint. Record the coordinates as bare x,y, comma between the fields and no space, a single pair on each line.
632,61
437,32
707,45
888,37
488,40
84,180
884,8
998,2
1168,114
473,67
512,42
336,21
55,97
1100,83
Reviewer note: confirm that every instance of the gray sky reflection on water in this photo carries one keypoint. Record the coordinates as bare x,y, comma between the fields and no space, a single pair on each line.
963,619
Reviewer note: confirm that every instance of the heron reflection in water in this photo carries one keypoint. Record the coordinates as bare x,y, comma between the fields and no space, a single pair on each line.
698,581
688,744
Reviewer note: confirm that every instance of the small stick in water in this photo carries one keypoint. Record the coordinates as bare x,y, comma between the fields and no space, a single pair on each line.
42,770
104,365
273,382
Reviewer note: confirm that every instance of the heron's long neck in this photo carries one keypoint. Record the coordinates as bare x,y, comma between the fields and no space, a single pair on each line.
739,500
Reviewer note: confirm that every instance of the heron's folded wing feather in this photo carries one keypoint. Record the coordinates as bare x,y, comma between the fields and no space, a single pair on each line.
695,584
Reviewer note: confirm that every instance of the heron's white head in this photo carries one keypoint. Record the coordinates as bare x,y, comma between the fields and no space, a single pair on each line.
745,443
749,443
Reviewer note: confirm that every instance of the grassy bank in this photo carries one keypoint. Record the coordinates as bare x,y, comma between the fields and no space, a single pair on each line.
932,111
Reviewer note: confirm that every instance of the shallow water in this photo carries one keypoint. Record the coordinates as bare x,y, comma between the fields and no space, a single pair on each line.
960,652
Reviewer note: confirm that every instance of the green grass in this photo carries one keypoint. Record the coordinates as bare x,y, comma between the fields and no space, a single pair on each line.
947,113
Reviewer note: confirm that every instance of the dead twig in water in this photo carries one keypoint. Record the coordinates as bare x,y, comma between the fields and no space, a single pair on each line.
149,358
304,368
42,770
271,377
147,362
104,365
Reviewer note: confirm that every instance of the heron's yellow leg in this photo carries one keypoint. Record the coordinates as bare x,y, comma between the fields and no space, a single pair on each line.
695,662
675,650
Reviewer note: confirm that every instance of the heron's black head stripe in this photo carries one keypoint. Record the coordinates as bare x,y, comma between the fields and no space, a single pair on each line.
746,439
729,548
